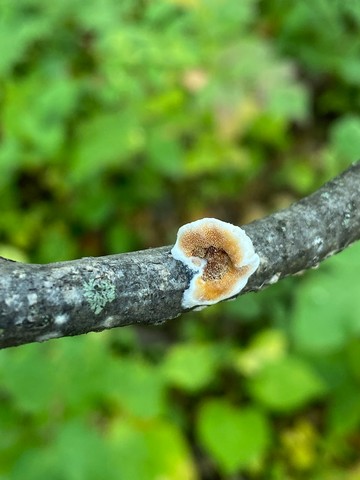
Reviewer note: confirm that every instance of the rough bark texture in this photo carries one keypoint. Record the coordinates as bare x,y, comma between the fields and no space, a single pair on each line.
39,302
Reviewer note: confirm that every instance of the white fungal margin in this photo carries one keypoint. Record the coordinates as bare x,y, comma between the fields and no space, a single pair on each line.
222,257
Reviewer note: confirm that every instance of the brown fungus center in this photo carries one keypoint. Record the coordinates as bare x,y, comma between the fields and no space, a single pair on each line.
218,263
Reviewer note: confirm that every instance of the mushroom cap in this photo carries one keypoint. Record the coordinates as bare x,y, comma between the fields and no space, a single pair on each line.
220,254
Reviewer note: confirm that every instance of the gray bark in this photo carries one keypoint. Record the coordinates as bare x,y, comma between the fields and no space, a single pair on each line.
39,302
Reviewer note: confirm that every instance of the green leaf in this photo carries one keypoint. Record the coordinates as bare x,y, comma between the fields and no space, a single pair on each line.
93,206
137,387
190,366
107,140
236,438
165,154
289,102
344,410
36,110
81,376
17,34
327,305
55,244
352,353
266,347
247,308
146,451
168,453
119,238
77,452
27,375
286,385
12,432
226,21
13,253
345,138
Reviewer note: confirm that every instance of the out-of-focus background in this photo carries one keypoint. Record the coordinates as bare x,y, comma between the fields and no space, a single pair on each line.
122,120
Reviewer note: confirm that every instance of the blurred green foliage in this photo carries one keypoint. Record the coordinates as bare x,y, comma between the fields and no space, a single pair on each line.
122,121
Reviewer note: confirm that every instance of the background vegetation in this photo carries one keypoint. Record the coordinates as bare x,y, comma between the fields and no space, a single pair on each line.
122,120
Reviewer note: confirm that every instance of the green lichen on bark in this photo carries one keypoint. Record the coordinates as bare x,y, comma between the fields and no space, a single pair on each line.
98,292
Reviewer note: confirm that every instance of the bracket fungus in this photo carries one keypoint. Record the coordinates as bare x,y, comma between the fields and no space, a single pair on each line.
221,256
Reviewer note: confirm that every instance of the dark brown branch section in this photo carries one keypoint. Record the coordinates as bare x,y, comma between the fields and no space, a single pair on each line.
39,302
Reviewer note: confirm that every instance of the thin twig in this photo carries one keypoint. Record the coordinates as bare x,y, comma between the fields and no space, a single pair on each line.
39,302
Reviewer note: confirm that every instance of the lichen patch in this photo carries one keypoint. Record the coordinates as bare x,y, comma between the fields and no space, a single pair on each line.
98,292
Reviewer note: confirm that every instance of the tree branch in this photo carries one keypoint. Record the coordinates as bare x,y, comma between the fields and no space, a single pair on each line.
39,302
